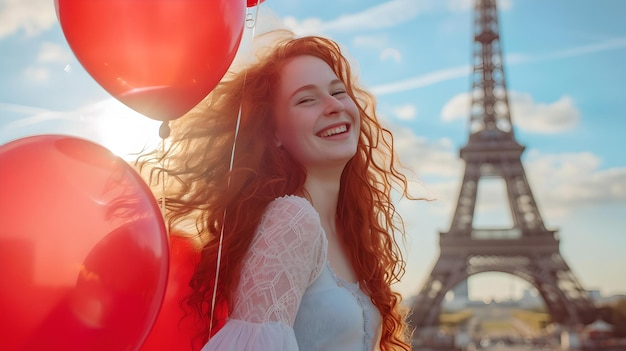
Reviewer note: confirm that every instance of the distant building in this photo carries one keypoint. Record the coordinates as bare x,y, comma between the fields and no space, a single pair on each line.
531,300
594,295
461,290
607,300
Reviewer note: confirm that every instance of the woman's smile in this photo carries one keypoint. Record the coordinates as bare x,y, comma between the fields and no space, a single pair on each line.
335,130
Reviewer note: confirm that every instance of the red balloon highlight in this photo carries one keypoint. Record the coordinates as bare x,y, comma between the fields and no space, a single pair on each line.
159,57
83,248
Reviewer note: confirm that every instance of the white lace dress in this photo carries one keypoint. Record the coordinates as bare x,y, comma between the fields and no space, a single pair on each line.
288,298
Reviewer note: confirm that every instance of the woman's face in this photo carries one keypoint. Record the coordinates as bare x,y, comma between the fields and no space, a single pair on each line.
318,123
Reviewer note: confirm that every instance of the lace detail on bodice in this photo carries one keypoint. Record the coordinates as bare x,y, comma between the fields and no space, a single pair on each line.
286,255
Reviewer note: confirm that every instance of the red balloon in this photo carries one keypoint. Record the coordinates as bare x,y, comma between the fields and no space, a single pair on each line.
171,331
159,57
252,3
83,248
176,327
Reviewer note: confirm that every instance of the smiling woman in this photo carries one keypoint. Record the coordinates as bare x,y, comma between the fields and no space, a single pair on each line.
296,226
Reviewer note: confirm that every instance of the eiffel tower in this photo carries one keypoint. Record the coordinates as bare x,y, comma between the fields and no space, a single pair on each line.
527,249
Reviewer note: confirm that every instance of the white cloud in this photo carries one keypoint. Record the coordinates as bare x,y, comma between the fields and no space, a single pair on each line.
426,157
505,4
432,168
28,16
37,116
405,112
460,5
555,117
613,44
465,5
30,120
572,180
378,41
21,109
48,53
51,52
304,27
423,80
560,182
526,114
456,108
37,74
607,45
446,74
388,14
391,53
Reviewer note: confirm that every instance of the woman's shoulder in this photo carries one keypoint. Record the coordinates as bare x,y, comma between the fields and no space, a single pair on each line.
291,225
291,214
292,207
292,199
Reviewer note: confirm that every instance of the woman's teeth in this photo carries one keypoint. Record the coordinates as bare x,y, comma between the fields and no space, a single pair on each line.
333,131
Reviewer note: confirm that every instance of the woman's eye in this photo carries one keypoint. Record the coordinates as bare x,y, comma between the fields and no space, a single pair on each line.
305,100
338,92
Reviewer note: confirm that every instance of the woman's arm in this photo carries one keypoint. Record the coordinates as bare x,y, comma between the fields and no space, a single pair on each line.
285,257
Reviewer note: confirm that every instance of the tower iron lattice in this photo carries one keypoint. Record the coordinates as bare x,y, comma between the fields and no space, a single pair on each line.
527,249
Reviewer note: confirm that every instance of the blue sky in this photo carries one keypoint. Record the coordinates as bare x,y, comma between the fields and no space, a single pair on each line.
565,75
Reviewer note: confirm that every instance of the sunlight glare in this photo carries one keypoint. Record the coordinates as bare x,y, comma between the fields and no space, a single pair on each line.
124,131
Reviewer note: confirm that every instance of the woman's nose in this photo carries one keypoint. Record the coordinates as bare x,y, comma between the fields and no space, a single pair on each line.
333,105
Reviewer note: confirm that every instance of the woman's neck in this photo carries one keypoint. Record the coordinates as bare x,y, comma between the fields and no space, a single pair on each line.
323,192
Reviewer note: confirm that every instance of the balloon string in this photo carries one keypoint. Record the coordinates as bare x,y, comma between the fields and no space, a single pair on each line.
230,168
221,241
163,176
164,132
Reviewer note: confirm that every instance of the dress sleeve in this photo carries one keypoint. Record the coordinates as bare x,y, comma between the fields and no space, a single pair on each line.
285,257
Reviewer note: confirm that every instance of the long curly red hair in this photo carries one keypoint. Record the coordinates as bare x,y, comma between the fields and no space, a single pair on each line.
205,194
